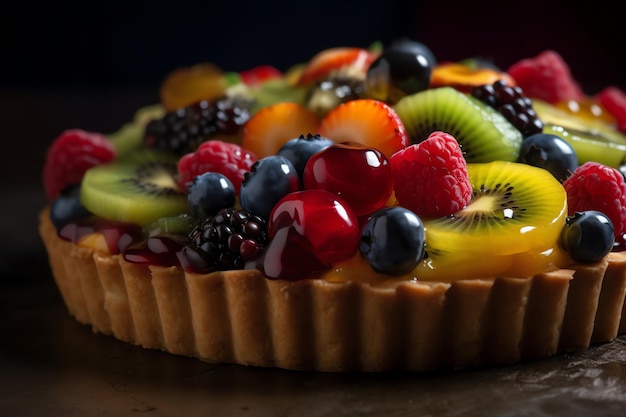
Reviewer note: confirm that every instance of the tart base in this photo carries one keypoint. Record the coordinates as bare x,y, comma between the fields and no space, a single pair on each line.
241,317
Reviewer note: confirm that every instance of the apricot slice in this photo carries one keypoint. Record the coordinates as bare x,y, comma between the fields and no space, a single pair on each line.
465,78
187,85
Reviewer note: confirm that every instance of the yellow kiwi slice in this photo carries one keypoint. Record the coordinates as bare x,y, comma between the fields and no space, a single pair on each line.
138,188
484,134
591,140
515,208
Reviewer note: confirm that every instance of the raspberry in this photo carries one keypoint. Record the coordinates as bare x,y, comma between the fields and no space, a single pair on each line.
72,153
613,100
228,159
594,186
547,77
430,177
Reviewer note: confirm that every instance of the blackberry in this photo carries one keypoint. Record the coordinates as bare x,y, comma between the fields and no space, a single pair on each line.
513,104
325,95
225,241
183,130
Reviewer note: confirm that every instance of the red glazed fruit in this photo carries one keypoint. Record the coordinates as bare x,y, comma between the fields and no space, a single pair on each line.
360,175
70,156
431,177
310,230
593,186
348,60
547,77
613,100
228,159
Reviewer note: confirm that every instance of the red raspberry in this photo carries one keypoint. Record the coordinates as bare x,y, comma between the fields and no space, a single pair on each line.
430,177
613,100
72,153
594,186
228,159
547,77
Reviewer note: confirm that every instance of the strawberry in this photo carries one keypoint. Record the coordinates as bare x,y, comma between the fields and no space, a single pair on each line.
274,125
348,60
72,153
547,77
431,178
228,159
594,186
368,122
259,74
613,99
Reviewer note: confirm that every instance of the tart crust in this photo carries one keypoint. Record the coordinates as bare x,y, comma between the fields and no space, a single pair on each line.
243,318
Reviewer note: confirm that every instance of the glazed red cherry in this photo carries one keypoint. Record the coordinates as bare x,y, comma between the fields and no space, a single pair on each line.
310,230
360,175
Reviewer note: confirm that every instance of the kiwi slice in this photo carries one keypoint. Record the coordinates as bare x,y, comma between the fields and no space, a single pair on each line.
515,208
137,188
484,134
129,137
171,225
591,140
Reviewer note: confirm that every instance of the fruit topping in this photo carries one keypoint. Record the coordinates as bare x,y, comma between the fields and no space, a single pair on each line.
180,225
272,126
138,189
431,177
327,94
226,241
259,74
129,137
67,207
72,153
228,159
613,100
588,108
594,186
359,174
588,236
392,240
402,69
515,208
593,140
347,61
101,235
299,150
547,77
464,78
159,250
183,130
209,193
310,231
483,133
550,152
269,180
185,86
369,122
512,103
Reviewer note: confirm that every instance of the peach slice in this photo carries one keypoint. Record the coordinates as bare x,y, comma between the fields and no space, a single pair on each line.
465,78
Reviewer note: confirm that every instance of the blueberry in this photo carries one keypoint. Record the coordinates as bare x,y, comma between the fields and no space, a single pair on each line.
299,150
550,152
392,240
404,68
269,180
67,207
208,193
588,236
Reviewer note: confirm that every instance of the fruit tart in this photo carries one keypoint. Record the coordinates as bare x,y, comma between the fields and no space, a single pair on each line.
348,214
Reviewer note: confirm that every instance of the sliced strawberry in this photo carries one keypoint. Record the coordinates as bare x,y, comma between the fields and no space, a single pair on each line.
547,77
613,99
347,60
70,156
259,74
368,122
272,126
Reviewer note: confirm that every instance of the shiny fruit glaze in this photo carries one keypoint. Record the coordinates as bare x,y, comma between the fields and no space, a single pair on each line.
587,108
310,228
359,174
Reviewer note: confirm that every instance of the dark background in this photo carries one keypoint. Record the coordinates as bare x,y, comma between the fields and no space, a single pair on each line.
91,65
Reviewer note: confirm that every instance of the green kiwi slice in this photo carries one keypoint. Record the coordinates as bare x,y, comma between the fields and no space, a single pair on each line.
171,225
129,137
515,208
592,141
138,188
483,133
